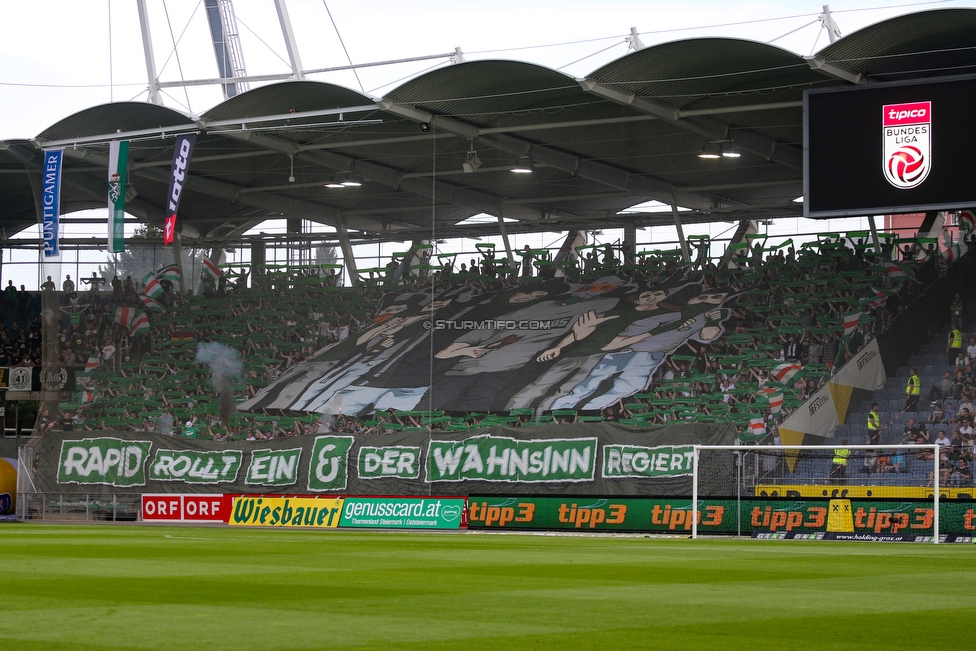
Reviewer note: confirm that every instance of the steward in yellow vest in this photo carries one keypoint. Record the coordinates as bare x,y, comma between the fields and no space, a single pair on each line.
874,426
838,472
954,346
912,391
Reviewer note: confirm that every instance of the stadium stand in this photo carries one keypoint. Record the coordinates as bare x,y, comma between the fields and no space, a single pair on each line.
135,358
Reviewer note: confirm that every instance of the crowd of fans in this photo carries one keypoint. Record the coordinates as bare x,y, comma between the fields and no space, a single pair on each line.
788,306
948,421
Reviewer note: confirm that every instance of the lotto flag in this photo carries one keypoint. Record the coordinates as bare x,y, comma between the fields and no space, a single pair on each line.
177,181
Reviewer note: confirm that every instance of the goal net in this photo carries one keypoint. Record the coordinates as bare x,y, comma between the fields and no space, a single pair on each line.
854,492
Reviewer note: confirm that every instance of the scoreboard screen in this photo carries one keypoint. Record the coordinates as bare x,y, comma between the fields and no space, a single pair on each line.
890,148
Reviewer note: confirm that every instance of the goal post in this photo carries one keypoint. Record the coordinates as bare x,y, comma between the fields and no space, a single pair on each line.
843,492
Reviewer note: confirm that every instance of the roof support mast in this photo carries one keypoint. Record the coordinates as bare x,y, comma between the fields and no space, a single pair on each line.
685,255
833,31
634,41
290,43
148,51
227,45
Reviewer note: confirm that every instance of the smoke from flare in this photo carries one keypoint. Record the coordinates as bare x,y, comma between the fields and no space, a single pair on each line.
225,365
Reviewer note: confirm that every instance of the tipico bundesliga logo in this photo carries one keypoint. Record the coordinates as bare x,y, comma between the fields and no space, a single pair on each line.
907,134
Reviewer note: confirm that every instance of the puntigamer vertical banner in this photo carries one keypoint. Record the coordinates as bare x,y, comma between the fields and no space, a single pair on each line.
51,200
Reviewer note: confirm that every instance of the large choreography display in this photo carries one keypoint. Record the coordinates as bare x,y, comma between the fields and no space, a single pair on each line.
553,345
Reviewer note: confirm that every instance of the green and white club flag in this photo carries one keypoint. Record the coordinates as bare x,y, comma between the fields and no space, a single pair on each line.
118,160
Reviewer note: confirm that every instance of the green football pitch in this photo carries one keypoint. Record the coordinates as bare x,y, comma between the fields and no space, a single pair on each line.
144,587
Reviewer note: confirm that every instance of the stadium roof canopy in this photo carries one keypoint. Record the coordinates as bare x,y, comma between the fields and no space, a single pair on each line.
627,133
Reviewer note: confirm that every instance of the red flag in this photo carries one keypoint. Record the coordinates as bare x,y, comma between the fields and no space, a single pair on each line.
775,399
123,315
139,323
785,372
967,220
211,269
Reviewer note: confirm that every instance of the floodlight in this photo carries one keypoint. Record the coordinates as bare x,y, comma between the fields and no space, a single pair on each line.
472,162
709,152
523,166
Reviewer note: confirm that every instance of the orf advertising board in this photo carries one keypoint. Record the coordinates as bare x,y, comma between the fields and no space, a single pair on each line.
889,148
171,507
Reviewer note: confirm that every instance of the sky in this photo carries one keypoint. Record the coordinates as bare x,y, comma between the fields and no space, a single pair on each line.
58,57
61,59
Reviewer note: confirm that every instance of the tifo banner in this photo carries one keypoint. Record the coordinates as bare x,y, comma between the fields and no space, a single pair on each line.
576,458
641,461
177,181
747,516
556,345
108,461
827,409
195,466
51,200
495,458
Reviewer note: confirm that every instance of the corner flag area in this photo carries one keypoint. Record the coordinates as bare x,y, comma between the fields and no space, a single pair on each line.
100,587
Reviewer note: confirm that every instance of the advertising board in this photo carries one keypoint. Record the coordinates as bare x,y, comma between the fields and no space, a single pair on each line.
838,517
265,511
196,507
403,512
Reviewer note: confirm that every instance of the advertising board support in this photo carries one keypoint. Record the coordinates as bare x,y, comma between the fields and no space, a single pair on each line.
694,494
738,493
